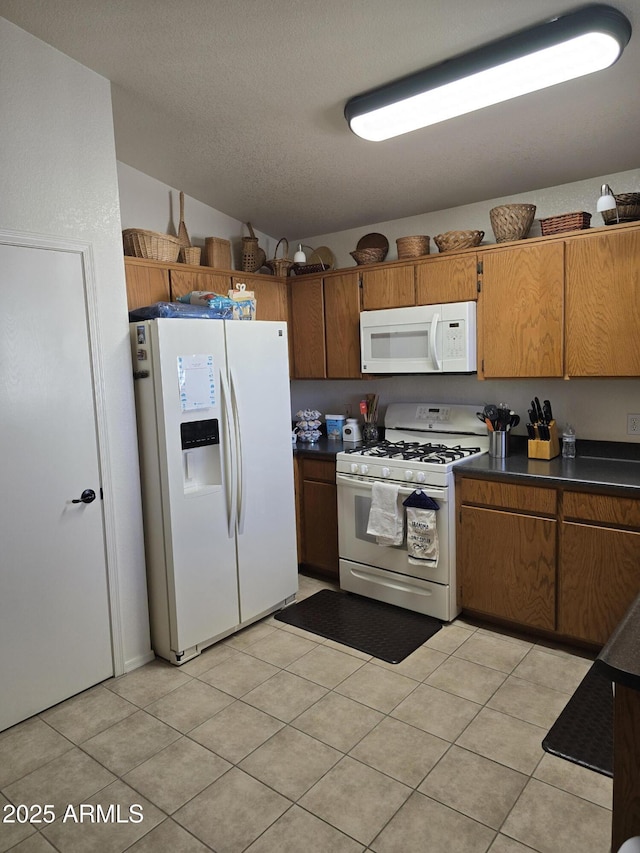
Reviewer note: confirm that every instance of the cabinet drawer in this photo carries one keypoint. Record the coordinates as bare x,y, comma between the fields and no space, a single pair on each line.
607,509
508,496
319,469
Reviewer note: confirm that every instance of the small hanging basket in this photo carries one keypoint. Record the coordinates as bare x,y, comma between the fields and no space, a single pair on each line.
281,266
253,257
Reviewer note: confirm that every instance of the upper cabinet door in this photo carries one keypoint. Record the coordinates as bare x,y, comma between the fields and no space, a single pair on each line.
451,278
603,305
185,281
270,293
307,328
388,287
521,309
342,319
147,282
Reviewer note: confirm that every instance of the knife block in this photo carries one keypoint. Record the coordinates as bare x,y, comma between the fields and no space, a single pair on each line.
539,449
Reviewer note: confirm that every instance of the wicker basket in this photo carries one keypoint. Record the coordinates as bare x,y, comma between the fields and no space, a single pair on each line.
511,221
578,221
281,266
150,245
190,255
627,209
369,256
217,253
412,247
452,240
253,257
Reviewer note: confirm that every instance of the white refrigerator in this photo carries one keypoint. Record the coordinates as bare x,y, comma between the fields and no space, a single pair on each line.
214,432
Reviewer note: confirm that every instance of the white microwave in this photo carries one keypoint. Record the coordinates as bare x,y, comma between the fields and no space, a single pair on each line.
419,339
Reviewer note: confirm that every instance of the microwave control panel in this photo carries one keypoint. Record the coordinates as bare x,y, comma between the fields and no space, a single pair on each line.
454,345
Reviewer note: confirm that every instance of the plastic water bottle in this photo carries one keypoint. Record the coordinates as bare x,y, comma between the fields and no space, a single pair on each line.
569,442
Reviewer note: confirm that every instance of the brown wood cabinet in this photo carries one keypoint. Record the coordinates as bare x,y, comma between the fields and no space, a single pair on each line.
318,516
309,353
325,320
603,304
558,560
153,281
521,331
147,282
388,287
342,324
599,569
450,278
506,558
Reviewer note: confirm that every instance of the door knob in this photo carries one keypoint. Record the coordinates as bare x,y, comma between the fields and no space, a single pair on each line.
85,498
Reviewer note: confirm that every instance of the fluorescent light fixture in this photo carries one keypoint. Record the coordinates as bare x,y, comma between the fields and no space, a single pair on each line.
562,49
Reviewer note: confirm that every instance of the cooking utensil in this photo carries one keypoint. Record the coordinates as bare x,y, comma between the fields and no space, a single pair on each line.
183,234
546,409
539,414
491,411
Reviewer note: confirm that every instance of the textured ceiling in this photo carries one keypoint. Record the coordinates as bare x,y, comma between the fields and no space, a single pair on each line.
240,104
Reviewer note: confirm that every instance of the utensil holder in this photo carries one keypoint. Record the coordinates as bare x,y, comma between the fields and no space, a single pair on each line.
499,443
539,449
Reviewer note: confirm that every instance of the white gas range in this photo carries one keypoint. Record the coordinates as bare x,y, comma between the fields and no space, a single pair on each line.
423,442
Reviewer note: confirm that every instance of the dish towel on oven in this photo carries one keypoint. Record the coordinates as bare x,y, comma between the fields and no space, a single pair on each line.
422,536
386,518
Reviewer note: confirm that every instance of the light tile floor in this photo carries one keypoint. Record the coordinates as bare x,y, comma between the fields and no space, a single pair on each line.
277,741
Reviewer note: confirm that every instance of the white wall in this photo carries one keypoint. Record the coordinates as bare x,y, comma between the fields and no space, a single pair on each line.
597,407
150,204
59,180
553,201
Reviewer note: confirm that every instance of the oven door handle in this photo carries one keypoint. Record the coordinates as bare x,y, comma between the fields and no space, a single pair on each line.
354,483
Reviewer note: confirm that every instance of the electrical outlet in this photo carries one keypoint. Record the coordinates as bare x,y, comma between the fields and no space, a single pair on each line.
633,424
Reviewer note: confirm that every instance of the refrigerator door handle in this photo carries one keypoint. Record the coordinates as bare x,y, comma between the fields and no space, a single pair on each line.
242,484
230,458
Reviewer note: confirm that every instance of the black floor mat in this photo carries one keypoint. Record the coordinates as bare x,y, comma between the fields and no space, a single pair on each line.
583,733
374,627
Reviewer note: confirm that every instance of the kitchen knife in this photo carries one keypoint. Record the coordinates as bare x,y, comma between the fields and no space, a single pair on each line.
548,414
539,414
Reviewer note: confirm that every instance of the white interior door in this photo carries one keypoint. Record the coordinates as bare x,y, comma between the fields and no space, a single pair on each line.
54,606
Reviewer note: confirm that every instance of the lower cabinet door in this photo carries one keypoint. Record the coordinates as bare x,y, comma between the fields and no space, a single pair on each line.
507,566
599,578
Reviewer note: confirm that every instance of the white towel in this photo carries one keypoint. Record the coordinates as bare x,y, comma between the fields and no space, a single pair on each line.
422,536
386,518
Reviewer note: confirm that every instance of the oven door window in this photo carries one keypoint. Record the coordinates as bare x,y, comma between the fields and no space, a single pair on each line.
410,343
362,507
354,503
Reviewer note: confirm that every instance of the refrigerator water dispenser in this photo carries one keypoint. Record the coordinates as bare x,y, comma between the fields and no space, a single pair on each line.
201,454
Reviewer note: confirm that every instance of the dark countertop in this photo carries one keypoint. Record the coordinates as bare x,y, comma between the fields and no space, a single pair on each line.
619,660
583,472
323,448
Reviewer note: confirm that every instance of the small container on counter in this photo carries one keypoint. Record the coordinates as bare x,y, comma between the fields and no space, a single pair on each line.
569,442
334,425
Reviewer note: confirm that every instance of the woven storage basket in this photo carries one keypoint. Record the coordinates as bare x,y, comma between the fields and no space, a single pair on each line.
566,222
412,247
217,253
253,257
369,256
452,240
627,210
511,221
150,245
281,266
190,255
319,262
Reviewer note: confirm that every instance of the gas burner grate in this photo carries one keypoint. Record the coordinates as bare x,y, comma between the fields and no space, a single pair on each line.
415,451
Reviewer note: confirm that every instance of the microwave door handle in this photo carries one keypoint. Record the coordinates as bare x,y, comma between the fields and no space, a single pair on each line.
433,342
